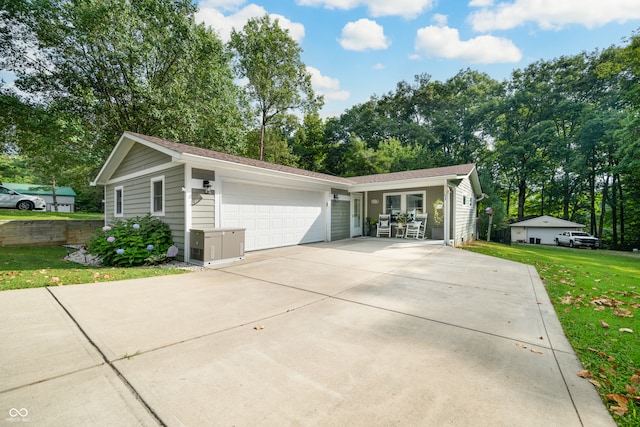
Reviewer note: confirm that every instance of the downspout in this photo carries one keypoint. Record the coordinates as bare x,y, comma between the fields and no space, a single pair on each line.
447,215
188,212
104,203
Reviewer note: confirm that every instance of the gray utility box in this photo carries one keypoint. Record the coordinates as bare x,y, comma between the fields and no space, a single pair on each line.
216,245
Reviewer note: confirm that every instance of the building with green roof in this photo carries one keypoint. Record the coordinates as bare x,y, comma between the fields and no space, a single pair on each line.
65,196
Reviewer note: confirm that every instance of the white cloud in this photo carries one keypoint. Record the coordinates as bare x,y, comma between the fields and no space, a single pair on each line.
378,66
364,34
439,19
404,8
444,42
223,24
554,14
480,3
327,86
222,4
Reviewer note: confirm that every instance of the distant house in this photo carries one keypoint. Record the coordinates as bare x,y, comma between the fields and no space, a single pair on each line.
193,189
65,196
541,230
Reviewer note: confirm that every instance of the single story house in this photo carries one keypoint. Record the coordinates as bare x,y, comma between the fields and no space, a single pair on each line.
65,196
541,230
192,188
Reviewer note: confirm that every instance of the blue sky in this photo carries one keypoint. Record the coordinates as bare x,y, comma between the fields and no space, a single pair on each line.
359,48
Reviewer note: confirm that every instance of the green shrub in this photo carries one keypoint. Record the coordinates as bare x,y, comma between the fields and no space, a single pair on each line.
132,242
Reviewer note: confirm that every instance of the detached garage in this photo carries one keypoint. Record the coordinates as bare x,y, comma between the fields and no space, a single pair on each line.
541,230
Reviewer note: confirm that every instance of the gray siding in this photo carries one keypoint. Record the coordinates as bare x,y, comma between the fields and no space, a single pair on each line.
203,211
140,158
137,201
340,219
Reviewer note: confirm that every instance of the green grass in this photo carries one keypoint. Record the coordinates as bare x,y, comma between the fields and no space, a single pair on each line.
34,267
595,294
14,214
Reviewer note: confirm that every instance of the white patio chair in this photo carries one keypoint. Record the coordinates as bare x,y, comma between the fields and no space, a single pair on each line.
384,225
422,219
412,230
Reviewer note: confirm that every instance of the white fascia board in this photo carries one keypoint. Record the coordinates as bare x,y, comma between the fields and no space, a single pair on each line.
402,184
143,172
254,173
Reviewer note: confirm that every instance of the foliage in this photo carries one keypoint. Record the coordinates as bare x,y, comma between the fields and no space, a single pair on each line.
438,212
92,70
595,294
278,80
35,267
132,242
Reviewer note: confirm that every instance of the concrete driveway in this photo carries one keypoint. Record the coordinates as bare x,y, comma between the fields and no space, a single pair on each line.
362,332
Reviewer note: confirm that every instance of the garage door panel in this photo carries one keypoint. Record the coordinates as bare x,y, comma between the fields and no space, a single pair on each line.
273,216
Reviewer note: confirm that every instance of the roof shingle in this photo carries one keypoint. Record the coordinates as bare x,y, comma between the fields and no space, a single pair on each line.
366,179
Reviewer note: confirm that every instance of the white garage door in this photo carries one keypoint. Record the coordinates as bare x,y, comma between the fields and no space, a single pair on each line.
273,216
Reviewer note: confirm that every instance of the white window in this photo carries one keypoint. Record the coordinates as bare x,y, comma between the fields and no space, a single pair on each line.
157,196
412,203
118,201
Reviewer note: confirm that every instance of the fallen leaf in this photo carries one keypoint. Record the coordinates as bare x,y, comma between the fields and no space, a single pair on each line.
521,345
604,324
259,327
623,313
595,383
566,300
618,398
599,308
635,379
626,330
619,410
631,389
533,350
585,374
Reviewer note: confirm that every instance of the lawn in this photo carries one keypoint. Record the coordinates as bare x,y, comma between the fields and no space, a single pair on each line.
34,267
596,295
14,214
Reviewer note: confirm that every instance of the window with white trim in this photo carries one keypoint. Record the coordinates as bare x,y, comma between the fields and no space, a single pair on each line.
157,196
118,201
411,202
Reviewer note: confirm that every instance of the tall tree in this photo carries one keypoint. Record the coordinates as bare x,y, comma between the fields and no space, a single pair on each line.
136,65
278,80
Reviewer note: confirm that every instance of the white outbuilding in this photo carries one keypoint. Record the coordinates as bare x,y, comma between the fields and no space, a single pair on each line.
541,230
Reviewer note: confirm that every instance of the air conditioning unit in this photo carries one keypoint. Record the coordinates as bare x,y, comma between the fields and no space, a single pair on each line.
216,245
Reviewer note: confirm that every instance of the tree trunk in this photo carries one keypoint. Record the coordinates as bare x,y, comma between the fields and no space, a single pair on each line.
53,194
614,213
603,208
621,203
263,125
592,202
522,193
508,199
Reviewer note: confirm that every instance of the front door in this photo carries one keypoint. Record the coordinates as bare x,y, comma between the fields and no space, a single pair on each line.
356,215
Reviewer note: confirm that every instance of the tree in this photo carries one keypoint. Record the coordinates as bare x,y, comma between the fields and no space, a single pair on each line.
278,80
124,65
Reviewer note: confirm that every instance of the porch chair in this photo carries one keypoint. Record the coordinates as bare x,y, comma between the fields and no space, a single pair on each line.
423,225
384,225
413,228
